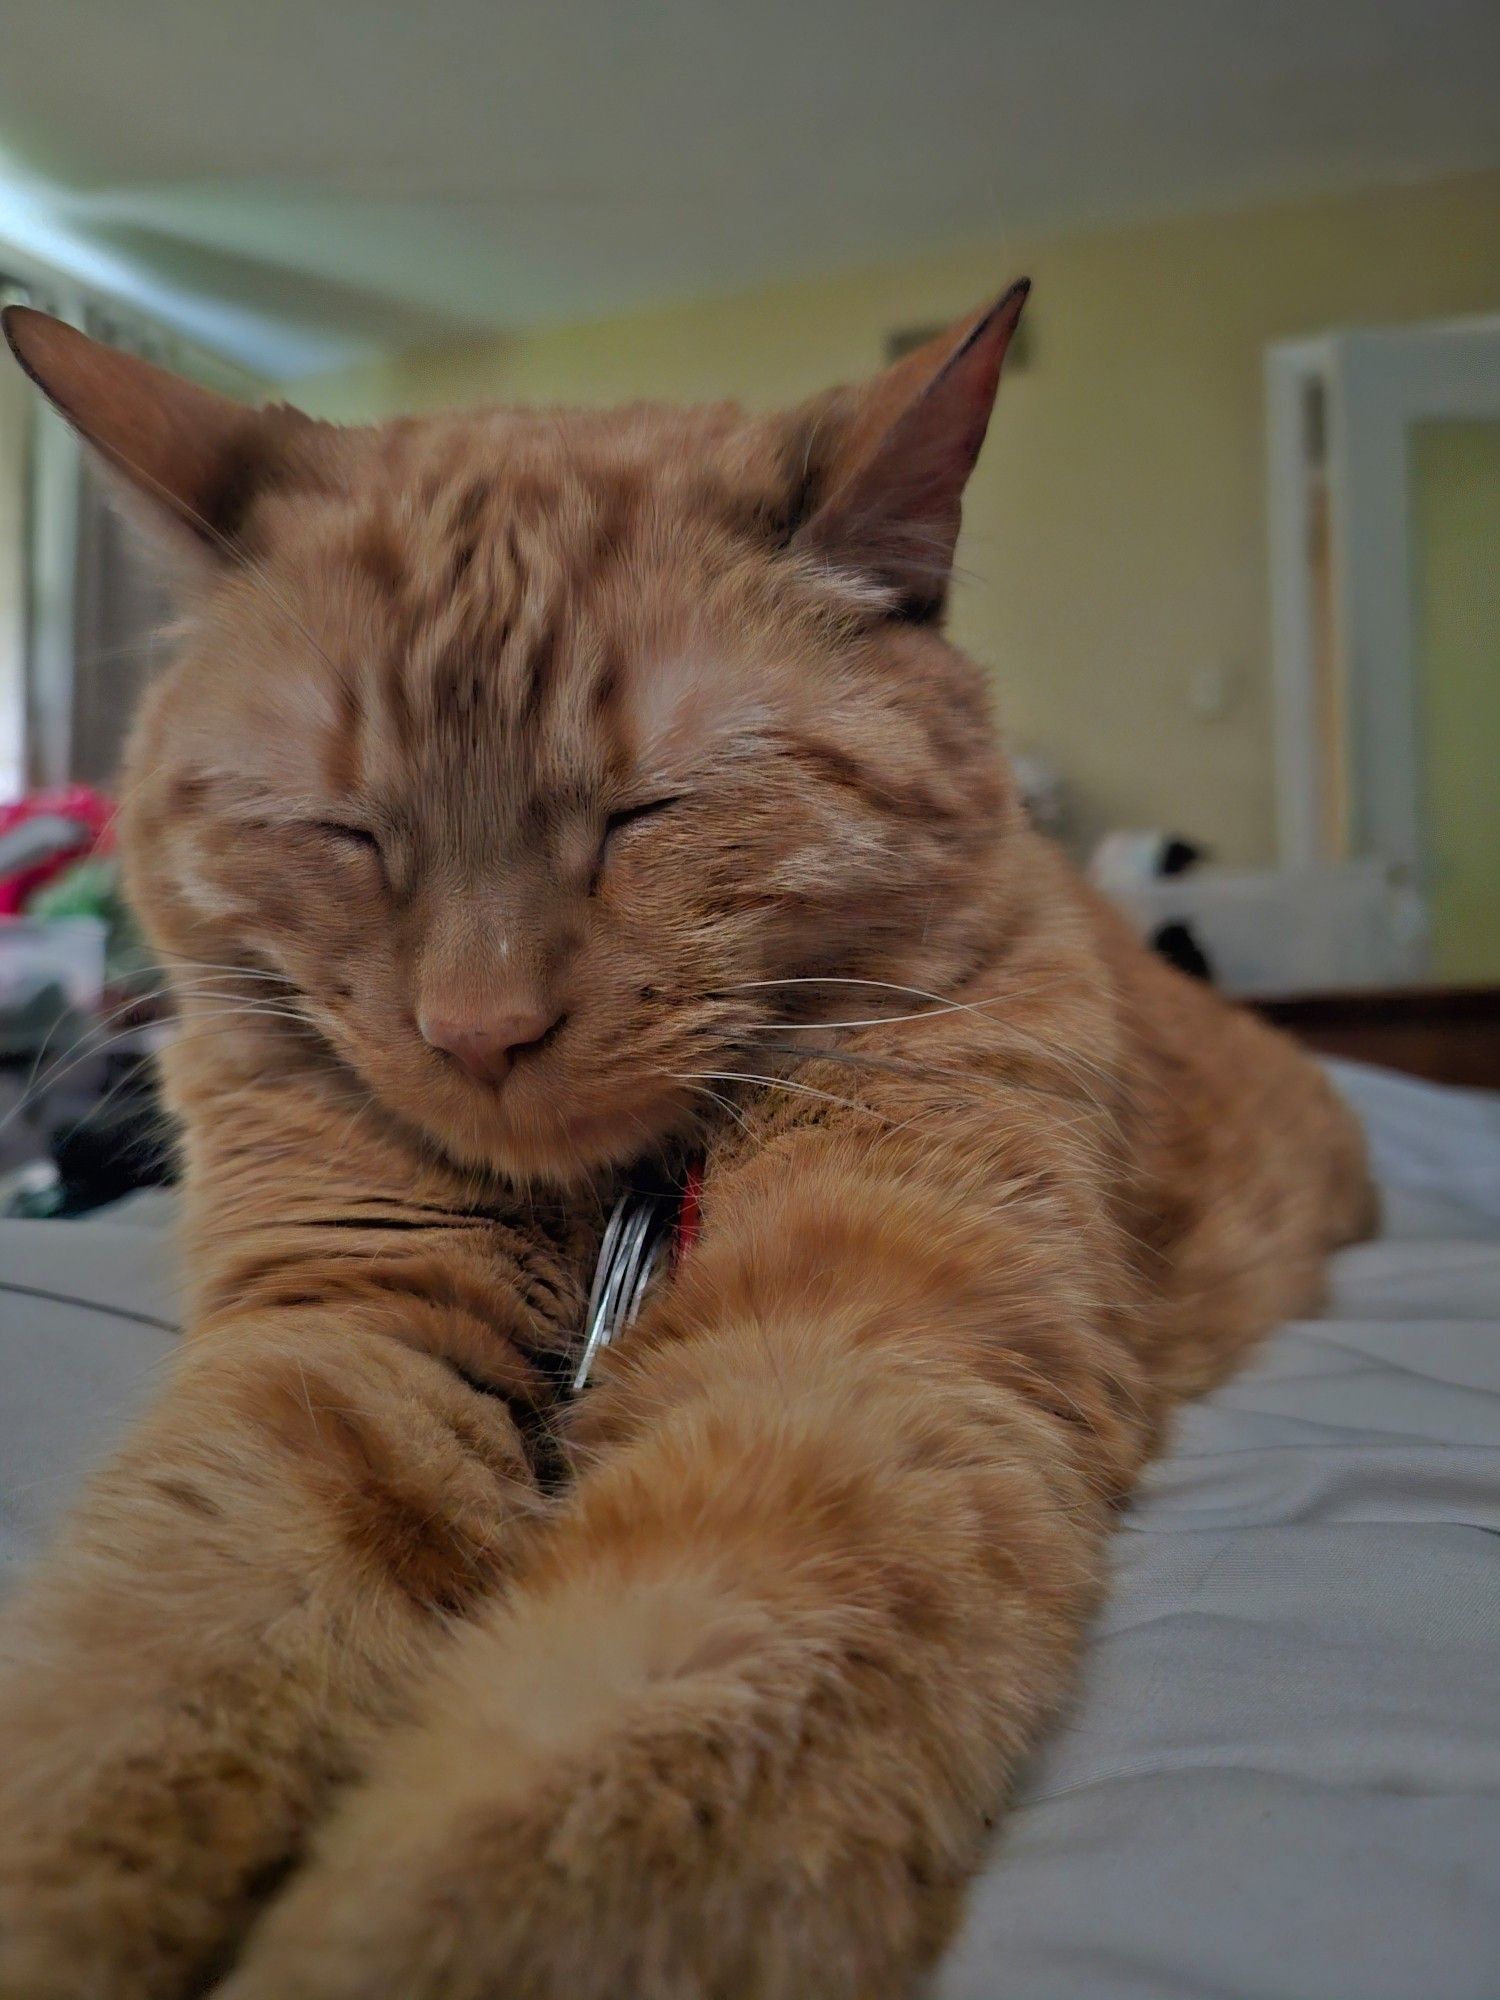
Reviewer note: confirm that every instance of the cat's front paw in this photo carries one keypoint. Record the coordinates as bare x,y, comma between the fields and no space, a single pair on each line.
136,1832
625,1881
78,1918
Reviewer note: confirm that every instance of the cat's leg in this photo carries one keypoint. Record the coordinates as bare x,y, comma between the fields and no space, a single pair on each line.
247,1588
741,1726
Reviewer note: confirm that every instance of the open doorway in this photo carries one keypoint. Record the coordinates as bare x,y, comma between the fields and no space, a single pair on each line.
1385,550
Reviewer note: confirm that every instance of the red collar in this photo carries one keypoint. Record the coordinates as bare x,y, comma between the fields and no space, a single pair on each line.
689,1214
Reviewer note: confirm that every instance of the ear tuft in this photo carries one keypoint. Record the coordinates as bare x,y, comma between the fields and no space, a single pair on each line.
891,490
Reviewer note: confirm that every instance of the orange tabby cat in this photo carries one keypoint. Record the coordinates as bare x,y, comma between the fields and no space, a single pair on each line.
534,796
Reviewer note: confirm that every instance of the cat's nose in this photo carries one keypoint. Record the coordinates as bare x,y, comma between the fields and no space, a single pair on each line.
488,1046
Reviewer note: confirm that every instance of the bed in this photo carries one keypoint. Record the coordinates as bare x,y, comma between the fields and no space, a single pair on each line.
1280,1778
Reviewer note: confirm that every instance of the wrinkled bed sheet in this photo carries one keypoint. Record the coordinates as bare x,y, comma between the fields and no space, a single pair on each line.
1280,1779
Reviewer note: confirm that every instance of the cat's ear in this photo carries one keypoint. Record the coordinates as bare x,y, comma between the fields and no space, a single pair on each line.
184,461
894,457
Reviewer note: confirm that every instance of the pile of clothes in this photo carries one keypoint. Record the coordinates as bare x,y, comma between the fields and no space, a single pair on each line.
79,1119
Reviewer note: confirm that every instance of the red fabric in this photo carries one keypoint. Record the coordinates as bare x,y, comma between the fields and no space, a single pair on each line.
690,1215
80,802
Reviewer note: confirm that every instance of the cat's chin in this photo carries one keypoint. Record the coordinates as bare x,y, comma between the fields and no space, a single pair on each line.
532,1128
565,1148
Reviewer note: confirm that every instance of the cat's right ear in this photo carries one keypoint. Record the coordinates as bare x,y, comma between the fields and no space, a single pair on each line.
183,461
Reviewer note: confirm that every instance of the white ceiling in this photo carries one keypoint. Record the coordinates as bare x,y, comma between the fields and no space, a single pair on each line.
299,182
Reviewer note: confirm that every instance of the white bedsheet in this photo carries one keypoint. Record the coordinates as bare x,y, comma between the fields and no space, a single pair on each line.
1281,1777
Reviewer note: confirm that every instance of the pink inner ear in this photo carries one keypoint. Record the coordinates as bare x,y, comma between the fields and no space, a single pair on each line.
895,506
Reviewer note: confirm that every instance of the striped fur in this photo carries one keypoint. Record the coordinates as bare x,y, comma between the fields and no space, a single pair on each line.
367,1671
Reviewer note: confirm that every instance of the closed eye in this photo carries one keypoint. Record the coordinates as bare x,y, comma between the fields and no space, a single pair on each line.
628,815
617,823
352,836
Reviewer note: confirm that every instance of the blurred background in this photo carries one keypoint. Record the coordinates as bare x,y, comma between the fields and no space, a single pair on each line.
1232,553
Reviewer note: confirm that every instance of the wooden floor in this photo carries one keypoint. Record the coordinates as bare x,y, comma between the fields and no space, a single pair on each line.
1448,1034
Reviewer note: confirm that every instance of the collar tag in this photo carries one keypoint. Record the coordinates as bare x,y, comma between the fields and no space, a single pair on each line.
634,1240
644,1233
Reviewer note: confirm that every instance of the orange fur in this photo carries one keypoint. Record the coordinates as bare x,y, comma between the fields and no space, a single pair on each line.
712,1685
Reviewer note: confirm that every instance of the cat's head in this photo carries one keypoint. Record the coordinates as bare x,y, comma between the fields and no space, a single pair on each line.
546,757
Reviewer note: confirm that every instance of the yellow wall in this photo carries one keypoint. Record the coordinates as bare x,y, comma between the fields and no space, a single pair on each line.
1114,538
1456,528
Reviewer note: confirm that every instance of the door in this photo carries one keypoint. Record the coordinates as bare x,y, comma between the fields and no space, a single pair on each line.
1385,546
1455,521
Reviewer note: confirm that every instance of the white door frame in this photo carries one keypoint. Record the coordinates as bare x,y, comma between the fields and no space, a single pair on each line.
1377,386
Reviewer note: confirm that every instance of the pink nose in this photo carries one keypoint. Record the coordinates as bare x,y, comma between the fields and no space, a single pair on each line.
487,1047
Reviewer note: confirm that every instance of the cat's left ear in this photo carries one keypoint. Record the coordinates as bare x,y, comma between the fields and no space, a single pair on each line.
889,492
184,462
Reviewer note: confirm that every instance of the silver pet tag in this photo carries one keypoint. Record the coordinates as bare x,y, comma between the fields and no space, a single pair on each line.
635,1241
